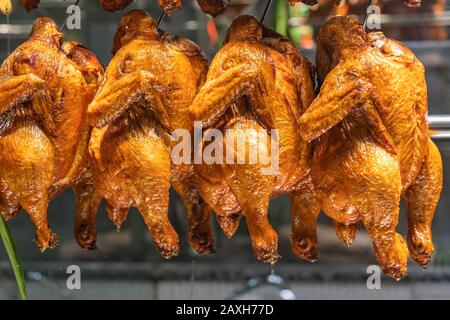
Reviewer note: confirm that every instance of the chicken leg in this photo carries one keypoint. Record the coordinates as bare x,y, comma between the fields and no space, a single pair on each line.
421,199
87,203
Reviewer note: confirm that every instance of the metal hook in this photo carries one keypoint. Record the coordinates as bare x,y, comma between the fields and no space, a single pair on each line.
265,11
68,16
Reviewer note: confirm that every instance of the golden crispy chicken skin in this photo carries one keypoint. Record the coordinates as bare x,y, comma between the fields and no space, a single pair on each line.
372,144
5,6
170,6
212,7
253,86
82,181
149,85
43,101
115,5
30,4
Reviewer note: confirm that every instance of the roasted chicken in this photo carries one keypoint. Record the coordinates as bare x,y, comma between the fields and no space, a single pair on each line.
258,81
371,142
44,96
149,85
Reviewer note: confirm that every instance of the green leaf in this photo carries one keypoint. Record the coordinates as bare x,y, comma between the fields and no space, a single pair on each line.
8,241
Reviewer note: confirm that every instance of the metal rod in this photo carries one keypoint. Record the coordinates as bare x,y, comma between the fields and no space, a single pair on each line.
266,9
67,18
439,126
161,16
440,135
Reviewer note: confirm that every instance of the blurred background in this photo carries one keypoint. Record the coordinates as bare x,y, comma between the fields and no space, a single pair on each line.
127,266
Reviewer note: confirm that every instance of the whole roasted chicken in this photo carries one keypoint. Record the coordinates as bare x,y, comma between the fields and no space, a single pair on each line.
149,85
44,95
212,7
257,82
372,146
